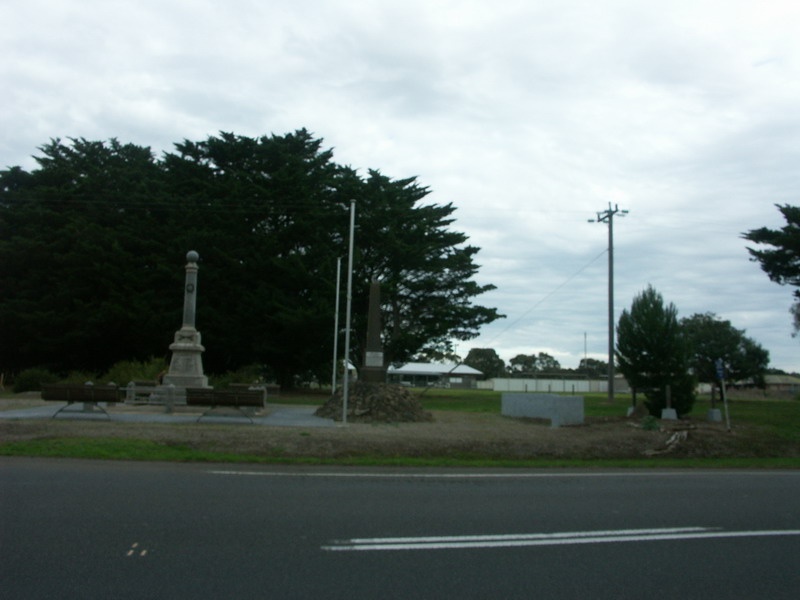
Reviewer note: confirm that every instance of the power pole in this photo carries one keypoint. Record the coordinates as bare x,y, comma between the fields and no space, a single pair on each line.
607,216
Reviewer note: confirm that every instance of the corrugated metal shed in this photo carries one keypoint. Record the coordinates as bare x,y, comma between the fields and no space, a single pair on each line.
433,369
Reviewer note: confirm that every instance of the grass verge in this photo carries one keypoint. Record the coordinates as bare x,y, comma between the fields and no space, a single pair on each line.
767,430
146,450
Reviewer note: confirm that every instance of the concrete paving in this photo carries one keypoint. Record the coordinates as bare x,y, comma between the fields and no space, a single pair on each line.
277,415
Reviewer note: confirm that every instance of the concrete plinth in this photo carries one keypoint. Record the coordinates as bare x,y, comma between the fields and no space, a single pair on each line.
669,414
561,410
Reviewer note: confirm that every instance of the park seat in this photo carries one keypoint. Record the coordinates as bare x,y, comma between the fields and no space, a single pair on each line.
236,398
88,394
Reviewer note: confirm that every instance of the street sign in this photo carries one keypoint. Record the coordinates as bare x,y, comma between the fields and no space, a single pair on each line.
720,369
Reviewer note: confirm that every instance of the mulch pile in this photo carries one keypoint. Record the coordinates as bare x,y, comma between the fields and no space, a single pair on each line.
376,403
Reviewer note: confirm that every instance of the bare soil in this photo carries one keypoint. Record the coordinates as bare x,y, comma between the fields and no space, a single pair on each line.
449,434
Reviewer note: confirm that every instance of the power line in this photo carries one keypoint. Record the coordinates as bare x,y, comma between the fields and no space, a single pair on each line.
545,297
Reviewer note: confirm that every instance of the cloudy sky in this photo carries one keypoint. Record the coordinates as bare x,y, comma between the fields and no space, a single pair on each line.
530,116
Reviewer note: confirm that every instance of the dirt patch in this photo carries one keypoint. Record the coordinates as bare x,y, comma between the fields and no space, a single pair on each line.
448,434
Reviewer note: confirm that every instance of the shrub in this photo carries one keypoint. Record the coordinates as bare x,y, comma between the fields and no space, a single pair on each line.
80,377
650,423
126,371
32,379
681,397
245,374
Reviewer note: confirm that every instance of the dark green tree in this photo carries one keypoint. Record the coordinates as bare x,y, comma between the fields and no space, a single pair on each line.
780,260
426,271
710,338
528,364
592,367
546,363
82,258
92,246
653,354
487,361
522,364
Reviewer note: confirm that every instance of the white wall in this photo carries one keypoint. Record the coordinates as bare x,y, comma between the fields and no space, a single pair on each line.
571,386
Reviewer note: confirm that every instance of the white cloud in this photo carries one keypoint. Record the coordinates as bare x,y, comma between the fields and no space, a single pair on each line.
530,116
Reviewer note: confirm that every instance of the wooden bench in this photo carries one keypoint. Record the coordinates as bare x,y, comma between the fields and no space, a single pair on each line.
89,395
228,398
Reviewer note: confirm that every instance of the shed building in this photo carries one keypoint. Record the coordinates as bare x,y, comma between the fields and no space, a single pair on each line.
434,374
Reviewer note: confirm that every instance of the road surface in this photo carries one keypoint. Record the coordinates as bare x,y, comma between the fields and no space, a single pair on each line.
93,529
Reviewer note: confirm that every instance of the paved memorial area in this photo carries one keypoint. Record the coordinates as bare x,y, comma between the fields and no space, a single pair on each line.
274,415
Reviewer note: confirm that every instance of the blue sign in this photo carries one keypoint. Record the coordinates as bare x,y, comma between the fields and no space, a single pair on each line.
720,369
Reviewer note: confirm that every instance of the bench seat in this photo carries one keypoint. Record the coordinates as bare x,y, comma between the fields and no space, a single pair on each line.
227,398
89,395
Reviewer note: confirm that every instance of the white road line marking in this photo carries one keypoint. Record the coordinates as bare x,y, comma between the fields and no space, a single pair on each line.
520,475
525,536
555,539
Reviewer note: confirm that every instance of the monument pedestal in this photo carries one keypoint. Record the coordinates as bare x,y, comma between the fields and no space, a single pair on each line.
669,414
186,366
372,374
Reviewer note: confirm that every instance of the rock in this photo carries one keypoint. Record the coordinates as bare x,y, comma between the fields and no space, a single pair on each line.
376,403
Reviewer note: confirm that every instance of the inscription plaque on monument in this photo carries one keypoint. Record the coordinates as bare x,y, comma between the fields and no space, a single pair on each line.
373,359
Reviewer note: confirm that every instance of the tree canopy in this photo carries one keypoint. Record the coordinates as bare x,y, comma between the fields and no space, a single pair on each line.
711,338
487,361
593,367
524,364
92,246
780,260
653,354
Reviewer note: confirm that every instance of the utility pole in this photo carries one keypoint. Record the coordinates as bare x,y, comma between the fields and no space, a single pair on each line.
607,216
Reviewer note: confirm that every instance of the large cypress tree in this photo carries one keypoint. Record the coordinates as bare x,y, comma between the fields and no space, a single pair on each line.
82,266
93,242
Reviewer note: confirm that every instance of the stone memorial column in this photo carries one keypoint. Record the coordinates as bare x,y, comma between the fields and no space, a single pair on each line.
186,366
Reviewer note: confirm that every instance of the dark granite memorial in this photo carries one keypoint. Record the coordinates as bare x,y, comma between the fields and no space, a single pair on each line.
374,370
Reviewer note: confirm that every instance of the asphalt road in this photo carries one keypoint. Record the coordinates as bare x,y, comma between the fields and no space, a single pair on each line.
91,529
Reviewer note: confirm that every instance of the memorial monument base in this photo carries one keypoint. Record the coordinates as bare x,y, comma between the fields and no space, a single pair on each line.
669,414
372,374
186,366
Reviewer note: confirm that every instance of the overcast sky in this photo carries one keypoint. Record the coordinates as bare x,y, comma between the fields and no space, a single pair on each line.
530,116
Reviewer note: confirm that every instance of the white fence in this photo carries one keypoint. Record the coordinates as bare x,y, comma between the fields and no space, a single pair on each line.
551,386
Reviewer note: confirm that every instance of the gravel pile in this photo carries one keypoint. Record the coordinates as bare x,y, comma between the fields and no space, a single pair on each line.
376,403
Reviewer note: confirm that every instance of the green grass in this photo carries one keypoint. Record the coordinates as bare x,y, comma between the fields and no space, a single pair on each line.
487,401
774,418
144,450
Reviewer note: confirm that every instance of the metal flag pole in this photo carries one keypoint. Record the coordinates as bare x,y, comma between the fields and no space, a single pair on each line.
346,381
336,324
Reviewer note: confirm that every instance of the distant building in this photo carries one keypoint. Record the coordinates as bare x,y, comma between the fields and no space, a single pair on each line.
782,383
434,374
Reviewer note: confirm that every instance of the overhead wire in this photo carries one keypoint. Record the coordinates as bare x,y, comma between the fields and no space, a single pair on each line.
545,297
